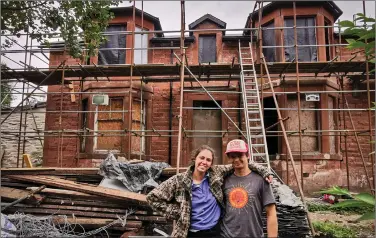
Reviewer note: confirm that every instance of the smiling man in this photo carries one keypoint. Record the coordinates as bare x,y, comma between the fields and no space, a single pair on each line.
246,195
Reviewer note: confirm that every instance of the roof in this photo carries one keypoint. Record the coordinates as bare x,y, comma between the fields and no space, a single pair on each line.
190,39
237,38
175,40
328,5
207,17
129,11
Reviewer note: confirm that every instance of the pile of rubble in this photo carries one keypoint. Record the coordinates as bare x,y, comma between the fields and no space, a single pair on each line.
78,197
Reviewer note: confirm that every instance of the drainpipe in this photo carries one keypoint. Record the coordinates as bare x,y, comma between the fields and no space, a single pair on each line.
170,113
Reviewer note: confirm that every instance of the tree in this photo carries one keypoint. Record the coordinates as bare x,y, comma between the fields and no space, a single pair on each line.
361,37
5,89
76,20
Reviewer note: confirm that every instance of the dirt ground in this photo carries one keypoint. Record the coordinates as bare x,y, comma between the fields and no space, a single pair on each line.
363,228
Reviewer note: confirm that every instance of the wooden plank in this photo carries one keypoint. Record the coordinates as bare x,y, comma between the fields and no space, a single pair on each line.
70,171
81,206
71,90
11,194
172,171
140,199
27,210
50,171
94,222
93,203
27,160
75,208
63,192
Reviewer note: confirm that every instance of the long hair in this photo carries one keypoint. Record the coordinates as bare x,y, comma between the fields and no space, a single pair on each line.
197,151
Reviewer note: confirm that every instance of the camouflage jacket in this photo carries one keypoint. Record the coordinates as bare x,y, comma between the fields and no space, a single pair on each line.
172,198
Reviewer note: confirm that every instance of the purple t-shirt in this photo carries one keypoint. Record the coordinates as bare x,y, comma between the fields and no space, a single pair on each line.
205,209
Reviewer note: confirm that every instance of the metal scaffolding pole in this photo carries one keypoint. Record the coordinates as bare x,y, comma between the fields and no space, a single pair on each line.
281,123
357,142
371,155
298,93
182,66
28,96
130,124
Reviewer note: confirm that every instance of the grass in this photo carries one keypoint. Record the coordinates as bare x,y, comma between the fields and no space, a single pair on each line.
332,230
339,210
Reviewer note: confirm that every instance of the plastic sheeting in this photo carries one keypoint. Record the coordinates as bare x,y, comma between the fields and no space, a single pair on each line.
114,56
207,49
268,39
7,227
306,36
135,177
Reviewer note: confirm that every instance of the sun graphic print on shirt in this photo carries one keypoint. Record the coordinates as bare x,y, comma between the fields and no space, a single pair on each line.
239,197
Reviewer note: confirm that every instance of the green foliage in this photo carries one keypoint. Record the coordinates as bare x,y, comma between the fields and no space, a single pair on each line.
330,229
339,210
5,89
361,37
76,20
335,190
358,201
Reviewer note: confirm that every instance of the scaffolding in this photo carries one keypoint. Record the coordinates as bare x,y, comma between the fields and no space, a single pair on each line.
202,74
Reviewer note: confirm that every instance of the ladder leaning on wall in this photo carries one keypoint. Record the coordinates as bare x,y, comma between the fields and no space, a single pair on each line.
254,121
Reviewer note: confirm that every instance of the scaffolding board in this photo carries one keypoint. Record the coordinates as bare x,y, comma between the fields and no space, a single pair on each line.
204,71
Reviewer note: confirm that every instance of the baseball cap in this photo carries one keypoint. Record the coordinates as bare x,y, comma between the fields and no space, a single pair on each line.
237,146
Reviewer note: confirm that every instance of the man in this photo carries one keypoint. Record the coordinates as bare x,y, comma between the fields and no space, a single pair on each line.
246,195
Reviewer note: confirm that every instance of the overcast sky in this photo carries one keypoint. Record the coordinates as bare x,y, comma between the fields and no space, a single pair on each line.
234,13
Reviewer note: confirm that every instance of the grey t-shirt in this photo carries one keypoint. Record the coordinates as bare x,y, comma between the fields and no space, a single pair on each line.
245,198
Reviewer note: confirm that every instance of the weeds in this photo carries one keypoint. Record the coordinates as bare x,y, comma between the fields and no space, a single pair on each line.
332,230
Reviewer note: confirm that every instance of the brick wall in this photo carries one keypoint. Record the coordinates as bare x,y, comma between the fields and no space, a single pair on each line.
328,170
59,151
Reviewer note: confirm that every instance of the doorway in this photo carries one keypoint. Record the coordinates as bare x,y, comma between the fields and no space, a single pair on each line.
270,118
207,116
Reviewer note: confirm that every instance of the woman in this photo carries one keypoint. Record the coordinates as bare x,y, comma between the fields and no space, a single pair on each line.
195,198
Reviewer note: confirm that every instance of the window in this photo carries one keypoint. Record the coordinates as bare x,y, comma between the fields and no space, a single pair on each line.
141,41
327,41
109,121
207,49
305,36
207,116
84,124
268,39
138,123
113,56
332,104
310,121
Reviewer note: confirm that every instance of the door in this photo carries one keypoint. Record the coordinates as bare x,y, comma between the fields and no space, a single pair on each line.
207,117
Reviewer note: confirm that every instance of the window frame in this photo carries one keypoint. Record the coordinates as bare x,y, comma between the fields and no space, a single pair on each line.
103,45
314,17
200,56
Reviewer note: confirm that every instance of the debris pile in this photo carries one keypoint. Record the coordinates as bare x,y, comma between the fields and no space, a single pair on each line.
72,198
77,199
292,218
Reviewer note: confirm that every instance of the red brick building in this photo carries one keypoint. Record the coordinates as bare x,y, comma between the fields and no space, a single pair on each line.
323,151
